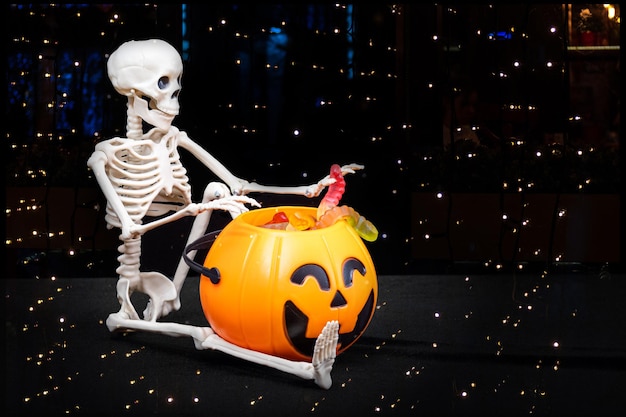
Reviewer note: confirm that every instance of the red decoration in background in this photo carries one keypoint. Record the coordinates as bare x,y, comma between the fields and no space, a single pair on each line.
588,38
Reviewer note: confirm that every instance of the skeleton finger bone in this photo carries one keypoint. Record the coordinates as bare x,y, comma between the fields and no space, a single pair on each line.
324,354
351,168
314,190
234,204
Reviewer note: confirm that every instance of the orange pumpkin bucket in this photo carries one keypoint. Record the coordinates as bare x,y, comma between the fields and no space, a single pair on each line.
273,291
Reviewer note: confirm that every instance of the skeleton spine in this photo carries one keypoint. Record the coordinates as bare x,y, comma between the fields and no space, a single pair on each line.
134,128
130,252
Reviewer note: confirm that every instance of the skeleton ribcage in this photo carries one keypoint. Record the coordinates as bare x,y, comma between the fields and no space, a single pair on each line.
147,176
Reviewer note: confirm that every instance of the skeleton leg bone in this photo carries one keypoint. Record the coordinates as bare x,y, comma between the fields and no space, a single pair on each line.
199,227
156,285
216,196
318,370
156,309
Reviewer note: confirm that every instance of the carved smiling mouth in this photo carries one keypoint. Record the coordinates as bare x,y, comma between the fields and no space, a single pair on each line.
297,322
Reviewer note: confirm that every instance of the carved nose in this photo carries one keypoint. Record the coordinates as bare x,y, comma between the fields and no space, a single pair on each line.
338,300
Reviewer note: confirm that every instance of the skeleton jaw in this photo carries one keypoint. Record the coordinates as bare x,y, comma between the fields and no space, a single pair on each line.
156,117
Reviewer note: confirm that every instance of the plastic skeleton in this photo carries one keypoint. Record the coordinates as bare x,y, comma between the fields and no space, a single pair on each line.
142,175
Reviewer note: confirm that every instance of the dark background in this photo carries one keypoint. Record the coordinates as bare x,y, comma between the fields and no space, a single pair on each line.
498,263
360,83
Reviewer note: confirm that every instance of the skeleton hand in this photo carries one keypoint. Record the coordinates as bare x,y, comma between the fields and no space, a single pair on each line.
351,168
315,189
234,204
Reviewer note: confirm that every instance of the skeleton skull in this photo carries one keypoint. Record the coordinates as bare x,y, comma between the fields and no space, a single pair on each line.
149,73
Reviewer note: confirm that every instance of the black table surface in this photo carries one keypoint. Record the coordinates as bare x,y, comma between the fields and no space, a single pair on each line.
488,344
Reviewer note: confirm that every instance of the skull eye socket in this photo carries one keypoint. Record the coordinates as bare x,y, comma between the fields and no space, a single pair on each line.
163,82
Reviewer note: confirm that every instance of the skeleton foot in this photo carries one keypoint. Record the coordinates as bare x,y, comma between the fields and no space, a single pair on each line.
324,354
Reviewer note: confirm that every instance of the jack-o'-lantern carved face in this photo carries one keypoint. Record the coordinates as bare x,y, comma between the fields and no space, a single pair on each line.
277,289
297,321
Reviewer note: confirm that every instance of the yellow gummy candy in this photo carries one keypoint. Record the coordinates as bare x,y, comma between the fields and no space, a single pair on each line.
299,221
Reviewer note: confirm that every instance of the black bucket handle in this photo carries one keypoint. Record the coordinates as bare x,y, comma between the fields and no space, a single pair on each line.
203,242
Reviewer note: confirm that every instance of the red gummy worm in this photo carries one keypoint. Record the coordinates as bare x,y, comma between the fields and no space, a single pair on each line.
335,190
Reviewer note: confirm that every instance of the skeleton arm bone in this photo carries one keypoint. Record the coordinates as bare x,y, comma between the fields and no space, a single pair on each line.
210,162
241,187
230,203
312,190
97,163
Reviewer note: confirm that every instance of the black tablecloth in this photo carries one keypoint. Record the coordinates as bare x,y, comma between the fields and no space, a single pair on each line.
494,344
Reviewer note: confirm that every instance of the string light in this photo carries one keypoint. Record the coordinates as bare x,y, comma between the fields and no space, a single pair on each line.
374,71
